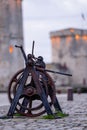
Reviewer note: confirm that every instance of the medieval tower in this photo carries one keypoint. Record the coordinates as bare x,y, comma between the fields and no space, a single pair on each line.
11,33
69,51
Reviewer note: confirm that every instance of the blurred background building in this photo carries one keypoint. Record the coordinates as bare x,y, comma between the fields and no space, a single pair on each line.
11,33
69,54
69,46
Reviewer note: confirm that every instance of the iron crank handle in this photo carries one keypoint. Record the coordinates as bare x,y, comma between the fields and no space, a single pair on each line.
51,71
18,46
58,72
23,52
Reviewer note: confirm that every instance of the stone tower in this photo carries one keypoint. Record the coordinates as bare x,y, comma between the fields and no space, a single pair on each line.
11,33
69,48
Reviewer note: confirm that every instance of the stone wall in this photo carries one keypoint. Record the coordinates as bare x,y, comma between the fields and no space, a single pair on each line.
69,47
11,33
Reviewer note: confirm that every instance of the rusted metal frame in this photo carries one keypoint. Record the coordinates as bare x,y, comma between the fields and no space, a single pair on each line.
57,105
18,92
24,103
40,91
52,91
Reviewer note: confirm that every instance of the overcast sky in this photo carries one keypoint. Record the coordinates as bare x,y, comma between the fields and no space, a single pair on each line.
40,17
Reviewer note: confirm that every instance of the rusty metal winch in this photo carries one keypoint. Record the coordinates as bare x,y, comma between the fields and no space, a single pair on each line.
31,90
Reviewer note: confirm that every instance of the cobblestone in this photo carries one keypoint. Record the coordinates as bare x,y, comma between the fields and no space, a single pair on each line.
77,119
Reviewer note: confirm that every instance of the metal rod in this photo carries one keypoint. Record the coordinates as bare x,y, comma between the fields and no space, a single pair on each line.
33,48
23,52
58,72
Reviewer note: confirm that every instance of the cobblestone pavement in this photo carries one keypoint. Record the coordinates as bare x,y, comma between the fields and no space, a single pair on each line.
77,119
